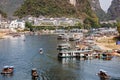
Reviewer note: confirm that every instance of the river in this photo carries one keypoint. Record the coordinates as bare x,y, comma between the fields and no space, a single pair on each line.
23,53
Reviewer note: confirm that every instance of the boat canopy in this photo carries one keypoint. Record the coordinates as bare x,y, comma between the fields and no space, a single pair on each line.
103,70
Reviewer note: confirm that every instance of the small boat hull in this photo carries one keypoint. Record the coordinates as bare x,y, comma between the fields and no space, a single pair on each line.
34,74
8,70
103,75
41,51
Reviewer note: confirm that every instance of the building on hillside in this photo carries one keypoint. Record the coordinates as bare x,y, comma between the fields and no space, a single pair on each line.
17,24
4,23
29,18
68,22
107,22
56,22
44,22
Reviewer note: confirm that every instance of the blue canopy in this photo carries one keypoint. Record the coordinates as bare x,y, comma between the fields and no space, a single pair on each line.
117,42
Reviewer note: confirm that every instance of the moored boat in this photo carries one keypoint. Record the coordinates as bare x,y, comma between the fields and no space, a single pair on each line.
103,75
62,37
41,50
8,70
75,53
64,46
34,73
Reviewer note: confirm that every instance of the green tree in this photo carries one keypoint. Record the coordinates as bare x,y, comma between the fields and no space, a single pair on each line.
118,19
118,27
55,8
29,25
79,25
87,23
91,23
3,14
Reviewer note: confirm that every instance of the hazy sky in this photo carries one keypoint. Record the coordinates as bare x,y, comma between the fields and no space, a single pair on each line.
105,4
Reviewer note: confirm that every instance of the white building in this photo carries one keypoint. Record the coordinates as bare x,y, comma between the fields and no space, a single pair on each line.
17,24
4,23
107,22
56,21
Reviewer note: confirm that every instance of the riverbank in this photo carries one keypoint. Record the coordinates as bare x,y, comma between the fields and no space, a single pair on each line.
2,35
108,43
105,43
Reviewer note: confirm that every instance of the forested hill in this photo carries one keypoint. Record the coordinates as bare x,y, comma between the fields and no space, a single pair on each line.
95,5
114,10
9,6
55,8
3,14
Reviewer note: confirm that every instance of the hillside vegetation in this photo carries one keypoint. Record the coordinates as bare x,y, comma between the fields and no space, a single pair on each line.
3,14
57,8
10,6
54,8
114,10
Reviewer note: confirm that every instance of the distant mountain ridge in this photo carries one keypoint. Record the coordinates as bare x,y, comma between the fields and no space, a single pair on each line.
95,5
55,8
9,6
114,10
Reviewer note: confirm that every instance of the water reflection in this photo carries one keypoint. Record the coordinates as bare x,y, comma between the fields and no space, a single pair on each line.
65,61
7,76
115,78
24,55
57,72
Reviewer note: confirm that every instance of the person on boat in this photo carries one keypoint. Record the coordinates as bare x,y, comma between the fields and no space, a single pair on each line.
34,73
10,69
41,50
102,73
7,70
103,76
